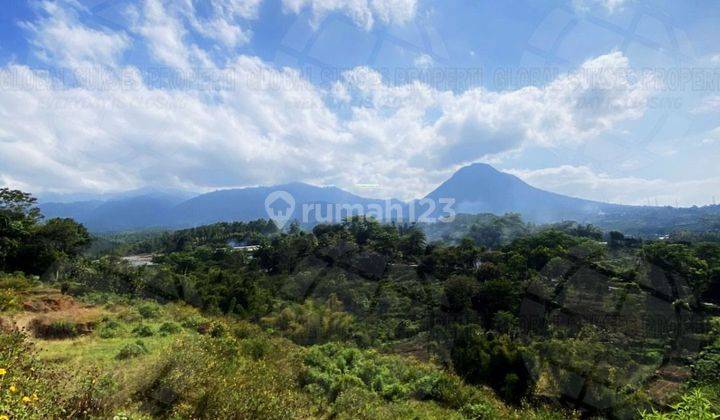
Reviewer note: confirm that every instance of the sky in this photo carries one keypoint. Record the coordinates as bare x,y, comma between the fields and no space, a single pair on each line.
611,100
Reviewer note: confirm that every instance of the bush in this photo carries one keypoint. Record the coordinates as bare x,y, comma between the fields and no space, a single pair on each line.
169,328
110,329
58,329
91,394
333,369
312,322
496,361
217,330
73,288
9,300
479,410
256,348
23,370
143,331
246,330
149,310
706,369
694,405
132,350
17,282
193,381
194,322
35,390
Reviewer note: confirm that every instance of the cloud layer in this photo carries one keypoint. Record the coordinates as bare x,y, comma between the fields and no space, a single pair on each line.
365,13
582,181
241,121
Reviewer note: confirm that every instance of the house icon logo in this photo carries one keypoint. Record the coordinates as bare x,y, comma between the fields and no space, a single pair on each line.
280,206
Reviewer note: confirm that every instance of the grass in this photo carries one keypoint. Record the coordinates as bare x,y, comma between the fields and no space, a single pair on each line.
234,367
97,350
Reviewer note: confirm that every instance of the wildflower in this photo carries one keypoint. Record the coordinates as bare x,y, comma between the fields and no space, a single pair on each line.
26,400
3,371
4,417
13,389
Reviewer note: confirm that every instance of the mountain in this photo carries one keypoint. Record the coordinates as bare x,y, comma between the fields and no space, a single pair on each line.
477,188
480,188
159,210
249,204
126,213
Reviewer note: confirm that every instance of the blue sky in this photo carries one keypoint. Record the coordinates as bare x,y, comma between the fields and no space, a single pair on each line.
615,100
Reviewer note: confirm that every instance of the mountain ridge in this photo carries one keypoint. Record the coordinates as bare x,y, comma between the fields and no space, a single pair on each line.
476,188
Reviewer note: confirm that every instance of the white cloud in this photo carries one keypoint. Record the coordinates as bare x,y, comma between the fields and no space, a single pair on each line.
583,182
423,62
364,13
228,21
611,6
252,123
102,140
59,39
478,123
708,105
167,26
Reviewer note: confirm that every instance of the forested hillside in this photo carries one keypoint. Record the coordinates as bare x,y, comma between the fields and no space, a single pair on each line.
490,317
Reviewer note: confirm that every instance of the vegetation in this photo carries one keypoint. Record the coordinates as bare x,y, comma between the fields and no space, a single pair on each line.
489,318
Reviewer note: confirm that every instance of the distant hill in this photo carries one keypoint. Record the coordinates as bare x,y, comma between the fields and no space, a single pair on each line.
480,188
127,213
246,204
241,204
476,189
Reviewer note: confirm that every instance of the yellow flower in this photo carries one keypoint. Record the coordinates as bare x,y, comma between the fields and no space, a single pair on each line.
26,400
3,371
4,417
12,388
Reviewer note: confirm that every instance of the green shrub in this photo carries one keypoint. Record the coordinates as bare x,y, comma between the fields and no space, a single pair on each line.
110,329
9,300
58,329
217,330
39,390
73,288
496,361
91,393
194,322
706,369
132,350
22,369
17,282
479,410
246,330
256,348
312,322
129,315
149,310
169,328
204,377
693,406
143,331
333,368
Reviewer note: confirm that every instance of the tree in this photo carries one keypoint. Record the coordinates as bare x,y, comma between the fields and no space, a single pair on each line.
459,291
495,361
412,242
681,260
18,206
51,244
18,216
